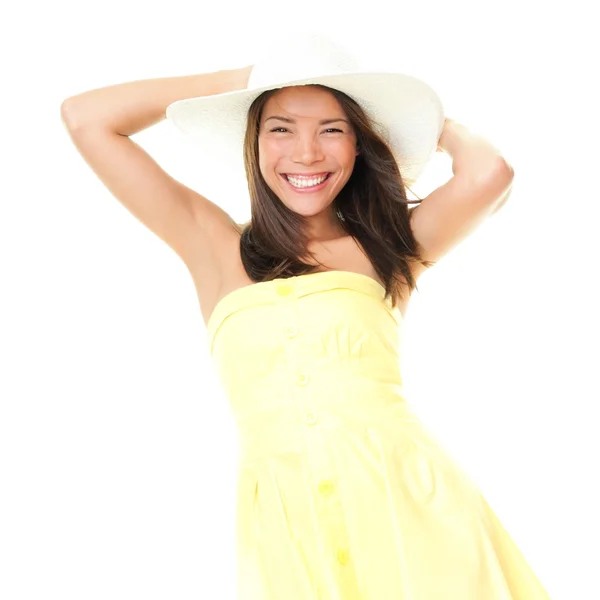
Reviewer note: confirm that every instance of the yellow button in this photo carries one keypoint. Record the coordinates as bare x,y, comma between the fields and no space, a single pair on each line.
342,556
284,289
302,379
325,487
310,418
291,330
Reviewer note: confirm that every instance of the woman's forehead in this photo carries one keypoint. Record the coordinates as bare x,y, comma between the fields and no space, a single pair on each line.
303,102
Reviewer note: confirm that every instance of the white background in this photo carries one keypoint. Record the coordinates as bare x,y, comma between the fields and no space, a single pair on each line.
117,448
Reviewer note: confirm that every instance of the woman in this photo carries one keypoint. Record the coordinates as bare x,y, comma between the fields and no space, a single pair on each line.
342,492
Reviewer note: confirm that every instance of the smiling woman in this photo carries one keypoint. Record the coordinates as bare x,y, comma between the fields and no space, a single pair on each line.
342,492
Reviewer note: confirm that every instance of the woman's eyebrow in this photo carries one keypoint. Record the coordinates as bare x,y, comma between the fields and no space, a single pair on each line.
322,122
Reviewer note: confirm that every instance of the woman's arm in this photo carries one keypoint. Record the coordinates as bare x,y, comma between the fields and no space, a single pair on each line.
481,182
100,122
127,108
473,157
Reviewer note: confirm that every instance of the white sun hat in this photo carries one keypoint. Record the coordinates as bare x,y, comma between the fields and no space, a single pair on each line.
405,110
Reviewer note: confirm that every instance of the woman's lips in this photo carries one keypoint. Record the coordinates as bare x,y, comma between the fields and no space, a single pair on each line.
307,190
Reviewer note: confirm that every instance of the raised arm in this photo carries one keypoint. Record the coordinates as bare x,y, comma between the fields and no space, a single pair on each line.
480,186
100,122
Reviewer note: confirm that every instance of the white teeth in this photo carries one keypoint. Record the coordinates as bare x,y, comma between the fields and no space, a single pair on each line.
303,183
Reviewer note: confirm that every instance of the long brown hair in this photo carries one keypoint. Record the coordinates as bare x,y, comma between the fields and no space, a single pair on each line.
372,207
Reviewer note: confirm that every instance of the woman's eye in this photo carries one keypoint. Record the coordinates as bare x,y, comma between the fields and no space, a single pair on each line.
284,129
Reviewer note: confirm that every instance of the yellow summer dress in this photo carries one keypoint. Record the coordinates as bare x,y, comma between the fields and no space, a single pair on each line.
342,493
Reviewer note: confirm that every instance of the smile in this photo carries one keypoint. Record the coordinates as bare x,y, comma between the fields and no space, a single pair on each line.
304,184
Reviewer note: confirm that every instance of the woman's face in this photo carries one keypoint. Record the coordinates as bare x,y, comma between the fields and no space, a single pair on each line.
295,141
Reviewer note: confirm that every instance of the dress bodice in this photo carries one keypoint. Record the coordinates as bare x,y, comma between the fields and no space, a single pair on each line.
331,331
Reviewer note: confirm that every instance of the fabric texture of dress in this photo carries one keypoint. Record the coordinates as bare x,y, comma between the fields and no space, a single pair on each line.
342,492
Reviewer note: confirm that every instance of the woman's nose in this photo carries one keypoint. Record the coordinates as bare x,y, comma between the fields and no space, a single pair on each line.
307,149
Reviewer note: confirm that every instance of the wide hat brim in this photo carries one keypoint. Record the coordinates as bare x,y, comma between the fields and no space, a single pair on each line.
405,111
